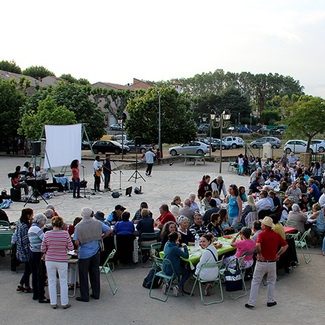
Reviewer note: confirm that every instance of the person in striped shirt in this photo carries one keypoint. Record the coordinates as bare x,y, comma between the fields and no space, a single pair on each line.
56,243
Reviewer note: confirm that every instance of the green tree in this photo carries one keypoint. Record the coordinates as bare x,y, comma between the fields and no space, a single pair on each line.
11,99
38,72
177,124
48,112
10,66
270,117
304,116
76,99
69,78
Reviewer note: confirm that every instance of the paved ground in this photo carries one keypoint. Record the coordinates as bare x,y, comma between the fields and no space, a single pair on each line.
300,295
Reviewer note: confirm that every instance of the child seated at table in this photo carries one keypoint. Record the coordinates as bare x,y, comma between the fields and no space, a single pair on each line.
243,245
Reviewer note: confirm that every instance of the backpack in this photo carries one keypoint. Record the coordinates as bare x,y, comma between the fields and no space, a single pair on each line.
148,279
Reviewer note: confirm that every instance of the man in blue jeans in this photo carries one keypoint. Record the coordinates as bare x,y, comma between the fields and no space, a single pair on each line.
87,236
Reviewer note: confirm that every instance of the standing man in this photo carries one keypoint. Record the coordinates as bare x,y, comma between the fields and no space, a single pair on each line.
107,172
267,244
97,173
87,235
150,156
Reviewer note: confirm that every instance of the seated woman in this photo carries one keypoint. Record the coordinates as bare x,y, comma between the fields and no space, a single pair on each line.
168,227
225,225
146,223
174,254
124,227
250,207
285,209
186,236
242,245
304,203
242,193
209,255
215,225
176,205
318,216
278,227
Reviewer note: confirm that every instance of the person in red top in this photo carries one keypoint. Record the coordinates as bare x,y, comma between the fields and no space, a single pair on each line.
204,186
268,253
165,216
75,178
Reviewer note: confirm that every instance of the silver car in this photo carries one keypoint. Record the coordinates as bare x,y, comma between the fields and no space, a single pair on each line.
275,142
191,148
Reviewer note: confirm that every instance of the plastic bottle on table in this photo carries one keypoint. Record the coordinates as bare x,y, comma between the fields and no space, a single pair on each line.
197,241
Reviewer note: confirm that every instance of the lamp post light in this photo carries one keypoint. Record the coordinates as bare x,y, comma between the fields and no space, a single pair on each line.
250,120
222,122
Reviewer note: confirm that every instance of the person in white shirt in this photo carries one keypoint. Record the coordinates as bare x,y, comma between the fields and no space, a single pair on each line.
263,204
321,200
149,156
97,173
272,182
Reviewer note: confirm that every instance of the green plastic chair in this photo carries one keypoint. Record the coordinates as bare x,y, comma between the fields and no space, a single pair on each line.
156,260
143,244
106,269
166,279
302,244
217,281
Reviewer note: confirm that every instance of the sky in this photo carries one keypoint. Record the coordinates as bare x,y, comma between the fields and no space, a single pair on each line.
116,41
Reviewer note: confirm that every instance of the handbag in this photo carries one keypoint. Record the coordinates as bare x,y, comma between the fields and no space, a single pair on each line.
233,278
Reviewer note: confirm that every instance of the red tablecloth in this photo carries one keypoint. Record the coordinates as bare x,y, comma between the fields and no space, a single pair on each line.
289,230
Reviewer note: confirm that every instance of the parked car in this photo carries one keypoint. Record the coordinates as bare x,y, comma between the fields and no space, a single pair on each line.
223,146
207,142
234,142
203,128
109,146
191,148
133,148
116,127
85,145
318,144
275,142
244,129
297,146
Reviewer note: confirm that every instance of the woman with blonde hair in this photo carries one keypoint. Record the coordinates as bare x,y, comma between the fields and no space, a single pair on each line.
250,207
176,205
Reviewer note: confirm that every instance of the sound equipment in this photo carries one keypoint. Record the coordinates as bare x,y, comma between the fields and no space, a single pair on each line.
15,194
36,148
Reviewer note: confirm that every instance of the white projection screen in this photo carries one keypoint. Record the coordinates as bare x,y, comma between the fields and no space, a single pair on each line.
63,144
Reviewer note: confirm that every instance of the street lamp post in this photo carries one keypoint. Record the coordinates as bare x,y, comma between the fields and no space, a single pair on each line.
222,122
159,125
121,122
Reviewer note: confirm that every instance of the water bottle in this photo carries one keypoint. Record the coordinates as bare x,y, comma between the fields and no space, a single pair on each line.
197,241
202,208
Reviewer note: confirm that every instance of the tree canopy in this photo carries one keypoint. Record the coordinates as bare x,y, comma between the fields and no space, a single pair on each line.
177,123
38,72
257,88
11,99
76,99
48,112
10,66
304,116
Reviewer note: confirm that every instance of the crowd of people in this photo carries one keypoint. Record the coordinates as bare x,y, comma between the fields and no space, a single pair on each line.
278,192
